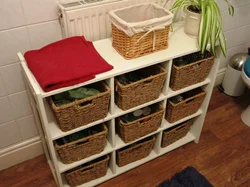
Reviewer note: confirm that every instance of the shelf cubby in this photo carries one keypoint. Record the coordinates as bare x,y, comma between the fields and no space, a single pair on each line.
179,45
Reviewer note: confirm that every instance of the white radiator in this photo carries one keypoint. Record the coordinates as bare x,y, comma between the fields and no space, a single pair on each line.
92,21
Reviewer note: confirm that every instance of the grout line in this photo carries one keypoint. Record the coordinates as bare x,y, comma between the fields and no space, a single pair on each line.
237,28
27,25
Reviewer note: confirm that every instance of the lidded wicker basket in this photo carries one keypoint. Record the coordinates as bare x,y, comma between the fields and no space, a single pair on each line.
140,30
84,147
84,111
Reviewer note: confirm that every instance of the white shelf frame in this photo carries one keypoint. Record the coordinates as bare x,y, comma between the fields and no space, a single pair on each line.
179,45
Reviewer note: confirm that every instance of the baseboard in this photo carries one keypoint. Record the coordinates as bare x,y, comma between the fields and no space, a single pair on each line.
219,77
20,152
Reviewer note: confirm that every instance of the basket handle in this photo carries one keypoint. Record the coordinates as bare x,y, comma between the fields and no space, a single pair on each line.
136,148
84,106
189,101
143,120
180,127
82,142
86,169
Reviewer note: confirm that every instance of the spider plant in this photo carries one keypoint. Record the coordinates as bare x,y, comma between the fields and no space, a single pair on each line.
210,31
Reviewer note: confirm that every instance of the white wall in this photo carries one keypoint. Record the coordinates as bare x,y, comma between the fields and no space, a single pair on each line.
31,24
236,29
24,25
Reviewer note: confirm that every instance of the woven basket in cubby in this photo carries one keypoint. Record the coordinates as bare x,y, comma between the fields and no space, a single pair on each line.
194,72
136,34
84,147
133,130
87,172
84,111
142,91
134,152
176,133
191,103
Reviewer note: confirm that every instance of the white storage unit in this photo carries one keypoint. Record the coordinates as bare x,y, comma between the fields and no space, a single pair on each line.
179,45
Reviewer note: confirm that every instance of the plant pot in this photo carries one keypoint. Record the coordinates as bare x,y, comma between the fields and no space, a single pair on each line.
192,23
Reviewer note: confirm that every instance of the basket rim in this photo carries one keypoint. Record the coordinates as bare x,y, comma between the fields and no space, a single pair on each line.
89,166
105,131
190,98
137,145
184,124
113,15
193,63
153,114
74,103
164,72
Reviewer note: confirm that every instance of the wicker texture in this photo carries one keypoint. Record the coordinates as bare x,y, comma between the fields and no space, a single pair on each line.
141,127
172,135
192,73
84,111
135,152
130,48
83,148
142,91
88,172
188,106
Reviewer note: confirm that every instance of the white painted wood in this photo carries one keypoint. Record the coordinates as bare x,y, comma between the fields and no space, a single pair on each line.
111,84
168,67
112,162
157,143
20,152
179,45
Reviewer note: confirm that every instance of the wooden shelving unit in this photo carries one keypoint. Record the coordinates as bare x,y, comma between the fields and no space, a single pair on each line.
179,44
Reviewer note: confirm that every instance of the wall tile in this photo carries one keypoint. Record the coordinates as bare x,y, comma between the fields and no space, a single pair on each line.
36,11
20,103
241,17
12,78
44,33
235,3
11,14
27,127
9,134
13,41
2,89
237,36
6,113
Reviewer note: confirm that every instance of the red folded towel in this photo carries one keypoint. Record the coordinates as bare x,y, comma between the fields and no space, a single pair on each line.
65,63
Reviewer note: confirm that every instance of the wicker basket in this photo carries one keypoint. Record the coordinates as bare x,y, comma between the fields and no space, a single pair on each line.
142,91
129,48
136,34
192,73
141,127
84,111
84,147
87,172
135,152
190,105
176,133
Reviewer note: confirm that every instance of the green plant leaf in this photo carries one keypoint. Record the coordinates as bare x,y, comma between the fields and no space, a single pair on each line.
213,29
205,27
223,44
